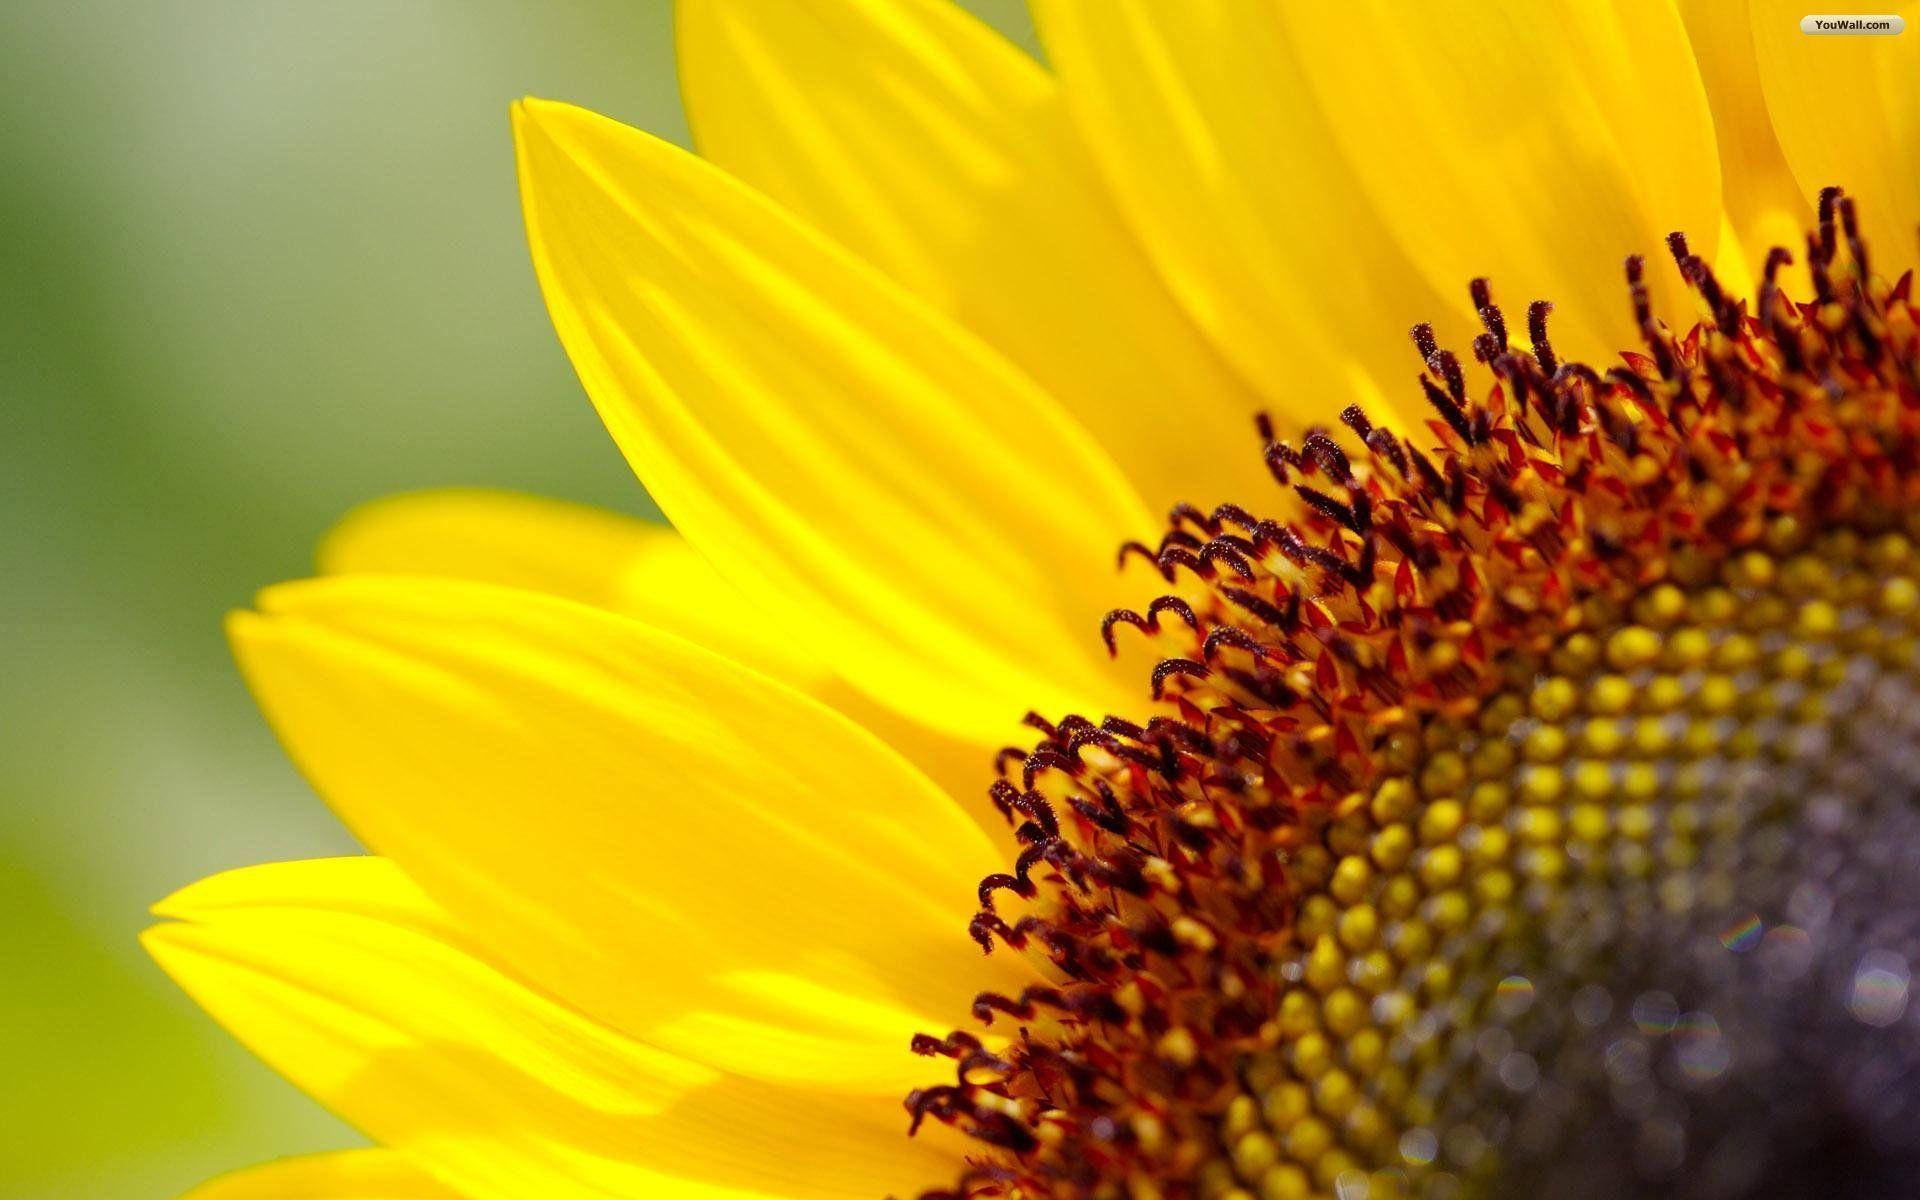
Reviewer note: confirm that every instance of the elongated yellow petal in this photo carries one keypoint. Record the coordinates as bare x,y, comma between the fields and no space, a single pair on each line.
624,564
342,1175
642,570
1763,203
493,1088
1222,160
651,831
1847,113
363,886
925,142
1536,143
938,529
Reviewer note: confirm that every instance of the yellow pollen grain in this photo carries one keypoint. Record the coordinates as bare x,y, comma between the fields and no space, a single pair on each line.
1493,759
1593,779
1449,912
1554,700
1286,1182
1352,877
1400,897
1717,695
1316,917
1663,694
1545,743
1542,785
1441,867
1410,941
1632,648
1660,606
1898,597
1366,1050
1394,800
1298,1014
1309,1139
1440,822
1735,653
1335,1094
1603,738
1178,1046
1651,738
1493,887
1359,927
1373,970
1326,966
1392,847
1686,649
1444,775
1491,848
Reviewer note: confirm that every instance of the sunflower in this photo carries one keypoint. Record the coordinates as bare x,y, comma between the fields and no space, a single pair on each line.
1495,776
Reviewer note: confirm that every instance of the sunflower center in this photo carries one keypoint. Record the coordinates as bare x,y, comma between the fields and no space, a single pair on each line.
1658,905
1528,810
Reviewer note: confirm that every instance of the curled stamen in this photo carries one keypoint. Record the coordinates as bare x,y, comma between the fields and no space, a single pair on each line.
1324,451
1172,667
1150,623
1423,341
1537,333
1448,410
1677,246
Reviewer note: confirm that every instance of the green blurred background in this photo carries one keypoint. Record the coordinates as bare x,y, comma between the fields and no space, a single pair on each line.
260,261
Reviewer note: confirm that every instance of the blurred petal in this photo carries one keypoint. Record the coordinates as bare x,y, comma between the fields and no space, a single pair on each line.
1538,144
1847,112
362,886
926,143
492,1087
642,570
1230,173
623,564
933,524
1764,204
660,836
342,1175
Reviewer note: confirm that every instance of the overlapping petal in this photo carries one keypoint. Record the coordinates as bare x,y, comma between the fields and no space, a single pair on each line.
938,529
670,841
642,570
1765,206
1847,113
1201,118
923,141
339,975
610,561
1535,143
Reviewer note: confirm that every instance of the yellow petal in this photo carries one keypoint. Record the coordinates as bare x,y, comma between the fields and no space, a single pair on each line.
640,569
1538,144
928,144
1847,112
937,528
342,1175
491,1087
649,830
1218,155
363,886
623,564
1764,204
